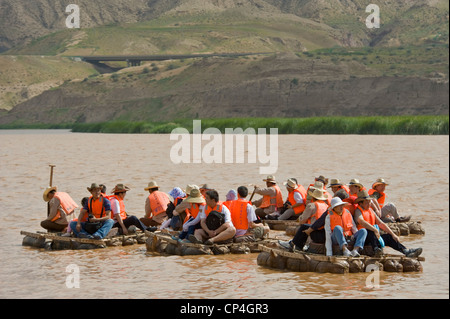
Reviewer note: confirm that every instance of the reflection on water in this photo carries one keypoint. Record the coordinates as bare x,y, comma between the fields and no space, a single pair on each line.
416,167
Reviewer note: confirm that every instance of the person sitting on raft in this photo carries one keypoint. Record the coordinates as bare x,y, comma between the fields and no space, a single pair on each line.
243,217
340,229
224,232
61,210
366,218
387,211
193,204
119,214
97,209
308,220
155,206
272,199
296,202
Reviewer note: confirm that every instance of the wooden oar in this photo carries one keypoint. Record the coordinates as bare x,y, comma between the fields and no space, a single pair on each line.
253,194
50,185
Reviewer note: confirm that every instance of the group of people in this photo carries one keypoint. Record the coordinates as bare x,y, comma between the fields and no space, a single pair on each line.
352,216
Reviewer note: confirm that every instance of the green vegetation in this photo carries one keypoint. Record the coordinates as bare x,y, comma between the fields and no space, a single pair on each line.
382,125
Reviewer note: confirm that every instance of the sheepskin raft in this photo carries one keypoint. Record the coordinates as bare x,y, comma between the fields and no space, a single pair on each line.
54,241
161,243
278,258
400,229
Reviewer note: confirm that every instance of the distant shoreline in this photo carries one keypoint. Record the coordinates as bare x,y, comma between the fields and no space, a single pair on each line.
374,125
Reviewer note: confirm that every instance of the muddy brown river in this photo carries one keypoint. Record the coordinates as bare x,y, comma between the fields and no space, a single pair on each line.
416,167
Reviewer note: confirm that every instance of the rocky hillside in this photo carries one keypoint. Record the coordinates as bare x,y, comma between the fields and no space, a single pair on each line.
284,85
325,60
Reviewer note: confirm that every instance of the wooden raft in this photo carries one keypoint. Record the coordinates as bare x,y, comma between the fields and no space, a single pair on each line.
400,229
163,244
278,258
54,241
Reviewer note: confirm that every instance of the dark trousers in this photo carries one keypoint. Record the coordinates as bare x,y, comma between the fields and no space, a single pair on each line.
300,238
130,220
372,240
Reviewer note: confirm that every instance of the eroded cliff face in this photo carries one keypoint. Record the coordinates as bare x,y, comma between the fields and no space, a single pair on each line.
277,86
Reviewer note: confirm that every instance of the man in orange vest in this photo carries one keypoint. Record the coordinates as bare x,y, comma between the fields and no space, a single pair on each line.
336,185
340,229
387,211
366,218
119,214
296,200
61,209
96,209
225,232
272,200
243,217
155,205
313,211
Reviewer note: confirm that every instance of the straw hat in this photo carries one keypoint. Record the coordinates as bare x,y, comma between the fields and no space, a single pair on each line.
291,183
356,182
336,201
317,185
120,188
48,190
335,182
93,186
362,195
318,194
379,181
270,179
195,197
151,185
322,179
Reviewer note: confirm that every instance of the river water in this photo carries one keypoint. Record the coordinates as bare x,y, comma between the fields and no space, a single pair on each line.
416,167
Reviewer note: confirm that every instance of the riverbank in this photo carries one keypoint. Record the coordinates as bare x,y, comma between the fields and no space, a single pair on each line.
376,125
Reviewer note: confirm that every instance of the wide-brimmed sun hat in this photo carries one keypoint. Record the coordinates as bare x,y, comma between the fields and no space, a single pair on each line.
335,182
195,197
379,181
291,183
363,195
93,186
48,190
336,201
270,179
318,194
151,185
355,182
120,188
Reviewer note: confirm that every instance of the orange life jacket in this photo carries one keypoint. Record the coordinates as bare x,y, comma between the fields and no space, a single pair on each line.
96,207
122,213
193,211
238,212
321,207
351,200
362,189
218,208
345,221
381,199
345,188
368,215
302,191
158,202
67,204
267,200
228,203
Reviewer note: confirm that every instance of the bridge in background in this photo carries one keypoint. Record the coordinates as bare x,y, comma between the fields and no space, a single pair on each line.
135,60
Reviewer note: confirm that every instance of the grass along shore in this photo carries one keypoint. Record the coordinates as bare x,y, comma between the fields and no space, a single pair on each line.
377,125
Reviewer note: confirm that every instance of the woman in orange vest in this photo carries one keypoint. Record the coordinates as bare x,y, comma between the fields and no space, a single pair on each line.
61,209
98,209
119,214
193,204
155,205
272,199
366,218
340,229
296,199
